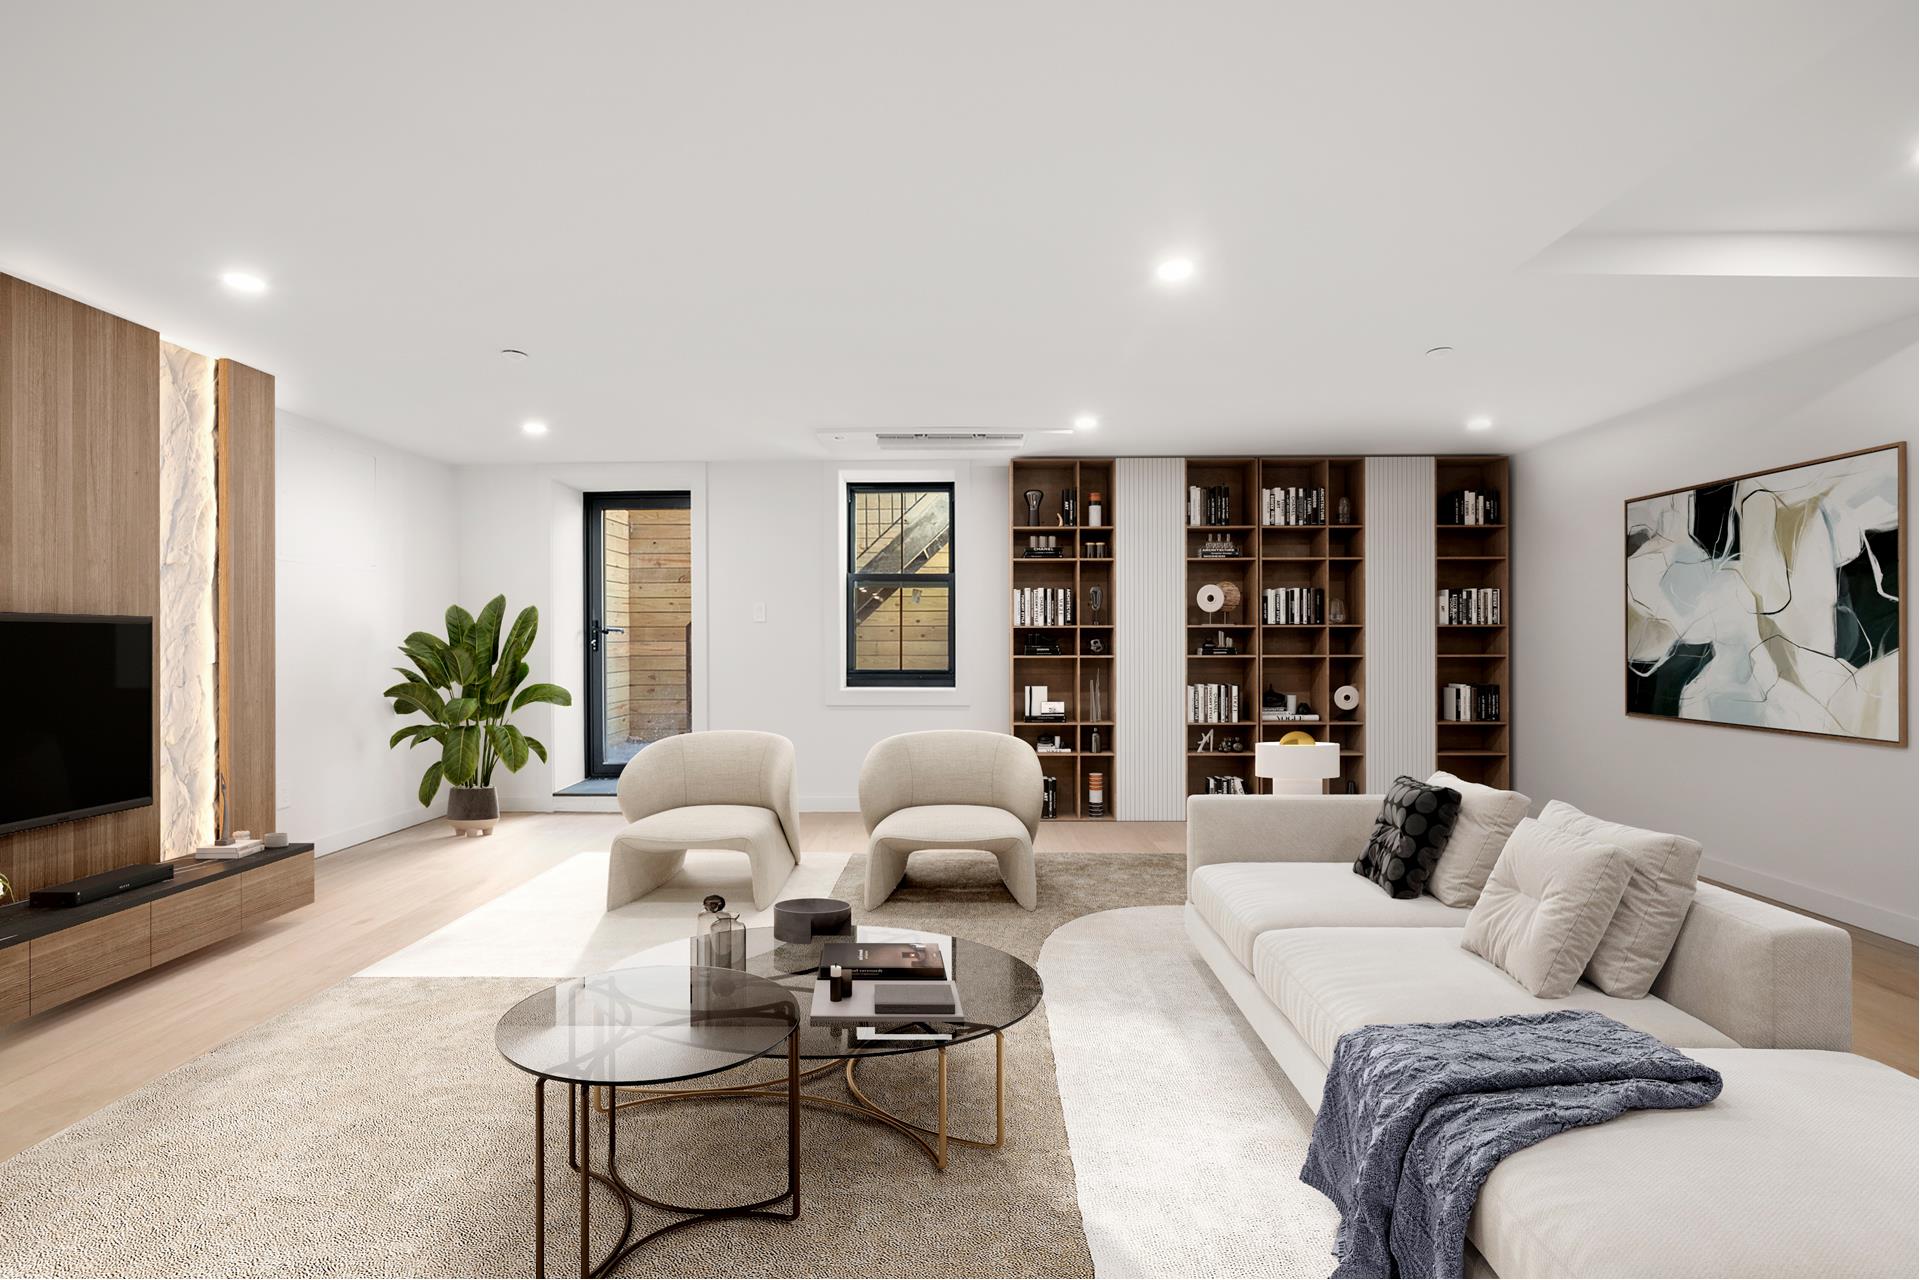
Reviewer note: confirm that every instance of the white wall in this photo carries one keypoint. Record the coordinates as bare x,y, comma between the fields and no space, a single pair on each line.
1823,824
364,554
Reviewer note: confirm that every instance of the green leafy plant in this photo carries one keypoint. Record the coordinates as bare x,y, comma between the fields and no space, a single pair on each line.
466,686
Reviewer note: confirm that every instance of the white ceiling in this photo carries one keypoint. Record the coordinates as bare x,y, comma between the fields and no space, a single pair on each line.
721,228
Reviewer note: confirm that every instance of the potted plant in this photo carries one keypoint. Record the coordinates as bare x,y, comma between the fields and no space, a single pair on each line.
467,685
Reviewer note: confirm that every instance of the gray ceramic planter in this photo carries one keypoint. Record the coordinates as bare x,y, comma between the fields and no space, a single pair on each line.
473,810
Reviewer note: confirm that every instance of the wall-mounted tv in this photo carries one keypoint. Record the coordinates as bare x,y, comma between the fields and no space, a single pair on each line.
78,725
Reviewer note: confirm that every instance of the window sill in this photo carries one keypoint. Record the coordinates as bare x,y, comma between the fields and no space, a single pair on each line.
897,696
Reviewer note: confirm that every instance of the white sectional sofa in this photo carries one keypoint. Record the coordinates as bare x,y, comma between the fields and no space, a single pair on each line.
1805,1165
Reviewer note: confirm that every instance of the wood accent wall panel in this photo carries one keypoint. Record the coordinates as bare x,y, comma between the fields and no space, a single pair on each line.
197,918
66,965
79,518
276,889
243,590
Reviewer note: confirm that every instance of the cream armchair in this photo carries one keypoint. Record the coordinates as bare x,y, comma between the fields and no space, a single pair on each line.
950,789
725,789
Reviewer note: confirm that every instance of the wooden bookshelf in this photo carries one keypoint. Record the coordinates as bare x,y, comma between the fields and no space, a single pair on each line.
1308,660
1084,661
1468,556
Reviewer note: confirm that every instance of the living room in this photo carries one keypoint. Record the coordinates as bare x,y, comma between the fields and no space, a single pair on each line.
1069,640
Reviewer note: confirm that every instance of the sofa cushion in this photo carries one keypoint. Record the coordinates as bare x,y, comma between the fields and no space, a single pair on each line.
1242,900
1804,1165
1488,816
703,826
1329,981
952,826
1662,871
1551,896
1414,823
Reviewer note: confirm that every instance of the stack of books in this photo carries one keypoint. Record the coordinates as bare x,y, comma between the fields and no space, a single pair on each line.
884,982
1280,508
1470,607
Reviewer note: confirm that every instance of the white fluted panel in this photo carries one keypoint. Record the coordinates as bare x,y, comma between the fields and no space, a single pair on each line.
1400,700
185,624
1149,588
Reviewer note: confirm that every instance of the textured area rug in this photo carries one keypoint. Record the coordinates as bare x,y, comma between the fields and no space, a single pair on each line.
1187,1139
374,1131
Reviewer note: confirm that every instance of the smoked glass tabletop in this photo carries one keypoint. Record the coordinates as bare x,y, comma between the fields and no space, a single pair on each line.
996,990
651,1025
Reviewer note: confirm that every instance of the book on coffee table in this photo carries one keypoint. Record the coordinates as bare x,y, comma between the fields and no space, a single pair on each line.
886,1003
886,961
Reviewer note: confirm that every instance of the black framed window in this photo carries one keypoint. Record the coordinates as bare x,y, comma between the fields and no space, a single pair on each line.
900,592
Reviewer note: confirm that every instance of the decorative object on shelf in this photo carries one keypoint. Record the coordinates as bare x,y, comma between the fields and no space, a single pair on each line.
6,888
1222,645
1772,600
1286,707
1096,646
1096,795
1096,550
1336,611
1095,597
1233,745
1049,797
1219,547
1298,738
274,840
1346,697
1206,741
719,938
804,919
1096,707
1343,511
1093,741
1039,645
1095,510
1042,546
1215,597
1049,744
1294,767
1033,497
467,685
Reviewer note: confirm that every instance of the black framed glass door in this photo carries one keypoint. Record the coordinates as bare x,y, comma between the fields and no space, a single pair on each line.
639,632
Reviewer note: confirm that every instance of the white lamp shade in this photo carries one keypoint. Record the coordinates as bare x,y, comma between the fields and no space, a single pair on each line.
1297,768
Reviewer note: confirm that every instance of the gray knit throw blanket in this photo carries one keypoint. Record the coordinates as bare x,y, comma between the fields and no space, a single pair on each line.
1414,1118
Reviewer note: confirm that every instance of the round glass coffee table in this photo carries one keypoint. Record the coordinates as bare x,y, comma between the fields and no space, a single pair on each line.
645,1027
996,990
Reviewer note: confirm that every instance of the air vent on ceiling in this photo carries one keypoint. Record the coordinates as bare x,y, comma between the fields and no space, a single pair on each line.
949,439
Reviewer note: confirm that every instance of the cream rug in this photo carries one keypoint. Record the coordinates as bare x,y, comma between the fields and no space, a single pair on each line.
1187,1139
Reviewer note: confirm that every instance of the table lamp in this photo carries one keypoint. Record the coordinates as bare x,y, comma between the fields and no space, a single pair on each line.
1297,765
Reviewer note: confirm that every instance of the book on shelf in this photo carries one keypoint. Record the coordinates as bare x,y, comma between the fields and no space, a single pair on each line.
1291,506
1036,705
1210,703
1470,607
1469,506
1226,784
1209,504
1293,606
1466,703
1043,607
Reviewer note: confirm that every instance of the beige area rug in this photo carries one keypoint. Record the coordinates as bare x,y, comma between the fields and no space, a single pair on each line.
374,1130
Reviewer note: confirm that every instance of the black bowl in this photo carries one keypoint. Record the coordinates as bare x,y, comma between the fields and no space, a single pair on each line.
804,919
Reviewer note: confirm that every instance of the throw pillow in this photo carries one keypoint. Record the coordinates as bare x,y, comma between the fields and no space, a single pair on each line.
1408,836
1488,816
1550,897
1662,871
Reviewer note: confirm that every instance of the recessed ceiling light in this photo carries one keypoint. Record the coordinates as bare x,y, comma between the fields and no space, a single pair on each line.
534,428
1439,353
1481,423
514,354
243,282
1175,270
1086,422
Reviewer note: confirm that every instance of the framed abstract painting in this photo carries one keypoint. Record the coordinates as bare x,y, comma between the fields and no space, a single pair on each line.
1774,600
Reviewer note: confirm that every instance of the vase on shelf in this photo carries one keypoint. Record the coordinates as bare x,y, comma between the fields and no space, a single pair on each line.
1343,511
1033,497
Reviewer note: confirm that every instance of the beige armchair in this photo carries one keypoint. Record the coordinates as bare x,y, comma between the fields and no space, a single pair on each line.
725,789
951,789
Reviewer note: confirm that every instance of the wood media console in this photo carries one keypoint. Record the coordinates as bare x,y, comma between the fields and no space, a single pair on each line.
50,955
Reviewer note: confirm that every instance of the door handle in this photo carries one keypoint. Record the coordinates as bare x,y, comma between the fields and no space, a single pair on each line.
595,631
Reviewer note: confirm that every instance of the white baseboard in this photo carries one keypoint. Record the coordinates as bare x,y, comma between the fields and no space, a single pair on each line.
1863,915
334,841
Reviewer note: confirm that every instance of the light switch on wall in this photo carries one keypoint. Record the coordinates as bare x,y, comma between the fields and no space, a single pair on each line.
759,612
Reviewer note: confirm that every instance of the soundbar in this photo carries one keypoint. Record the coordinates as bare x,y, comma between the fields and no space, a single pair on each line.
78,893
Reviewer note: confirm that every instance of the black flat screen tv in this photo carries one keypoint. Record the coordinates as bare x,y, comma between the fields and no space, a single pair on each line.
78,724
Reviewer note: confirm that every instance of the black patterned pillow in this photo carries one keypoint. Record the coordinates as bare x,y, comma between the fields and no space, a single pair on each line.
1409,836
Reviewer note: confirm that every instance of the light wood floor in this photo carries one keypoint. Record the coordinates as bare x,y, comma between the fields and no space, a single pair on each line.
374,899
